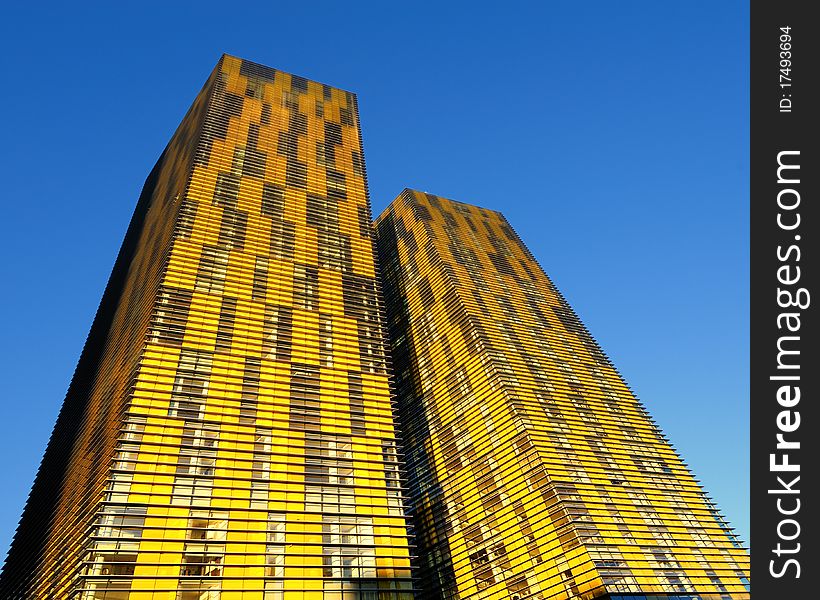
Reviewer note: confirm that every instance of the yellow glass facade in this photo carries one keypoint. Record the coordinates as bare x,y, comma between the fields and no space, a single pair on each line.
533,470
230,434
229,431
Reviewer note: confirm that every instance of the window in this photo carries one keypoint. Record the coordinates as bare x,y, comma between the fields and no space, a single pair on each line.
199,589
201,565
275,561
336,187
305,287
111,563
213,270
170,317
276,333
348,561
276,527
290,100
226,190
127,523
260,278
208,525
193,491
190,385
232,229
224,331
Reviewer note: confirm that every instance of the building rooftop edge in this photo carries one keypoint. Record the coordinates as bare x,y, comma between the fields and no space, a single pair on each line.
446,199
253,62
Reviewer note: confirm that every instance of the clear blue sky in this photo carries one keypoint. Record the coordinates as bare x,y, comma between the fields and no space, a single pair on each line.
613,135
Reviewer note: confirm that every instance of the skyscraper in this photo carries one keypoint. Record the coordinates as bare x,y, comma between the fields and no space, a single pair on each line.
533,470
228,432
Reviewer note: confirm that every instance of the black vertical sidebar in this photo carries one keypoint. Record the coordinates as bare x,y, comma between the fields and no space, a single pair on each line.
785,228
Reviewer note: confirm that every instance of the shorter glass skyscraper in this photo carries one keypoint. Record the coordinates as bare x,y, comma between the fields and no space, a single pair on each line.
534,472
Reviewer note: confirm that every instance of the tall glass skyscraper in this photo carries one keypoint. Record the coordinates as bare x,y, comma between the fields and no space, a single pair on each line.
533,470
229,432
232,429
